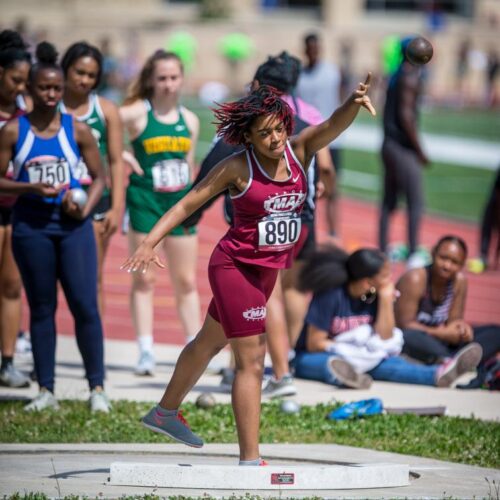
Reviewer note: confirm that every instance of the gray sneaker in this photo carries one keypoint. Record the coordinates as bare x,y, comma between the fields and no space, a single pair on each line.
173,426
346,375
99,402
279,388
465,360
146,364
10,376
45,400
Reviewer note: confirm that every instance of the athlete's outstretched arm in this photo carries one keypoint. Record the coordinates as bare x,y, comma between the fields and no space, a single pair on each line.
312,139
226,174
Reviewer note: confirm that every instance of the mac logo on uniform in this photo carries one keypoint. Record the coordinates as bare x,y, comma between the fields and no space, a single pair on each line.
287,202
255,313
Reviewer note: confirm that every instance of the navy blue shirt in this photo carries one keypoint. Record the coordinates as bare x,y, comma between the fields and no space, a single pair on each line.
335,312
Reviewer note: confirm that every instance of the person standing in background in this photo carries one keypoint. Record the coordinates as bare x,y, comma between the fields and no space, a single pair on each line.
83,65
15,62
52,236
163,135
319,85
402,154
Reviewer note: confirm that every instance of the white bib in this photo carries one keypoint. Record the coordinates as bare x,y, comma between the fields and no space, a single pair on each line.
170,175
81,173
279,231
54,172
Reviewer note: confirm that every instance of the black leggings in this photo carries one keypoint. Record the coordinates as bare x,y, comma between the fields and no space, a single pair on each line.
430,350
68,256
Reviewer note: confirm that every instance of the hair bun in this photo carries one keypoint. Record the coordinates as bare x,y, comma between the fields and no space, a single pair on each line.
46,53
10,39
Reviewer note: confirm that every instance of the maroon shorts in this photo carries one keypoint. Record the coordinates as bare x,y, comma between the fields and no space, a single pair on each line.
240,294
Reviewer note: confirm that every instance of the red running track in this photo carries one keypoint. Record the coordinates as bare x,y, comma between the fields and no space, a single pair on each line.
358,227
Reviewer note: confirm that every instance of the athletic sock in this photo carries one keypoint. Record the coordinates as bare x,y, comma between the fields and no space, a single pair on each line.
145,343
165,413
257,461
6,361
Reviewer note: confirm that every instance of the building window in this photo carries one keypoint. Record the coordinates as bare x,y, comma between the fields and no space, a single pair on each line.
463,8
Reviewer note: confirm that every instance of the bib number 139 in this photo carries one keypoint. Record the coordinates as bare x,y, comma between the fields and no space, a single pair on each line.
278,233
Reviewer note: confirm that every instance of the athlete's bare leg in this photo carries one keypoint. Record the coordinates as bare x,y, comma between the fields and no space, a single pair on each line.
142,292
296,302
182,255
193,361
249,353
10,299
102,245
277,341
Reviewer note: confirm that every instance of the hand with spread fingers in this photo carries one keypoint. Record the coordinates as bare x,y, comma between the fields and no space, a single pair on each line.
141,259
360,95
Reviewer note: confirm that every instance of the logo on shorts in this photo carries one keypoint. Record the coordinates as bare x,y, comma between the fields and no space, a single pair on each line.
255,313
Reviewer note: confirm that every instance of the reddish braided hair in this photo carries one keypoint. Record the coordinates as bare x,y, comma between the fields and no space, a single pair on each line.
236,118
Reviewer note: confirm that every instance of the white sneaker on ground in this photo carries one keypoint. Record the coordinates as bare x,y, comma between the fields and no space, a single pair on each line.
465,360
279,388
99,401
10,376
146,364
43,401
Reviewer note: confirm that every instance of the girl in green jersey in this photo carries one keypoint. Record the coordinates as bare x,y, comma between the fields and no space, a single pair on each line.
163,135
82,66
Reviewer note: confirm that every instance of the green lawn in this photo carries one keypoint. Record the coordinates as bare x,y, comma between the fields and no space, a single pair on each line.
471,123
464,440
450,190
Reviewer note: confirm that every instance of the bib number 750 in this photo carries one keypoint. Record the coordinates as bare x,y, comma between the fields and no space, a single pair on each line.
53,173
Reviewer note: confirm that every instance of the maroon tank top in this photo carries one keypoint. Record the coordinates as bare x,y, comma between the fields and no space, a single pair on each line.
267,220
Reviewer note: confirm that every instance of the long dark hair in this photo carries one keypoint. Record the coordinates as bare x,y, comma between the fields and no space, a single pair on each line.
79,50
12,49
330,267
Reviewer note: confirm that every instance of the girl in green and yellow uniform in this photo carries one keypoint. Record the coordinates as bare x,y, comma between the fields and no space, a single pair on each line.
163,135
82,66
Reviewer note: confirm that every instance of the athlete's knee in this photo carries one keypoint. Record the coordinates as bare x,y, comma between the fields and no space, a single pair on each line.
11,289
143,282
185,284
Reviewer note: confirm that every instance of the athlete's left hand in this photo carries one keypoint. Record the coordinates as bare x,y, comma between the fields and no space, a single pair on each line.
110,223
71,208
360,95
141,259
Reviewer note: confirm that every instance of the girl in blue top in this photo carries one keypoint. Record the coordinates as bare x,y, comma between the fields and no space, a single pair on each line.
350,337
52,236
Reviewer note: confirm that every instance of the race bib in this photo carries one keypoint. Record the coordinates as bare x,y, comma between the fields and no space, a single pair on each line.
170,175
55,172
81,173
279,232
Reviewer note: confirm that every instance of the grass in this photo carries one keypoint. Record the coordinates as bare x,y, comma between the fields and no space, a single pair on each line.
468,441
471,123
452,191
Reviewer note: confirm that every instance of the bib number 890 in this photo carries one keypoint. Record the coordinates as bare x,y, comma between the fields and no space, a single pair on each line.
279,233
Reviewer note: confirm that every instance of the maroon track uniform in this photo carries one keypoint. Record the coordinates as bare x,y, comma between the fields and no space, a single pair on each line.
245,264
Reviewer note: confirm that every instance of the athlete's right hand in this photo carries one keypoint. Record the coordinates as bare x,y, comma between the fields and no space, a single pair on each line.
132,162
46,190
141,259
